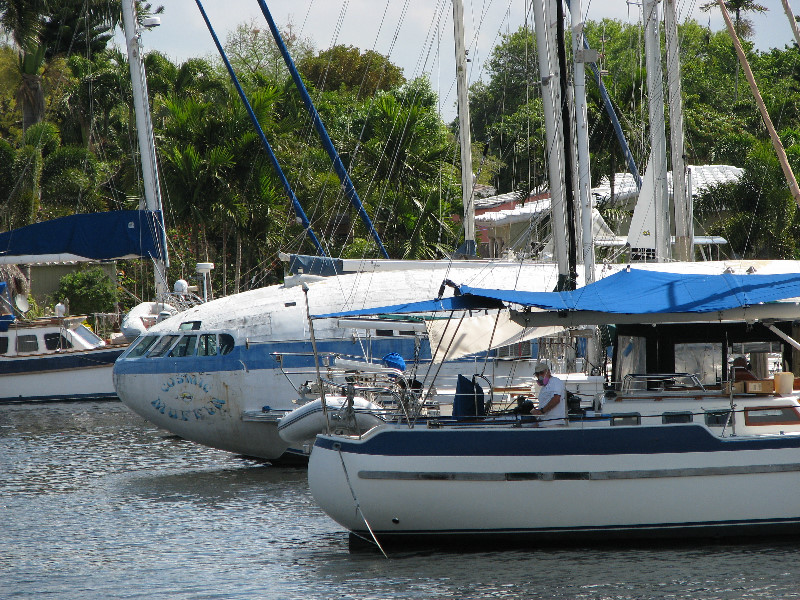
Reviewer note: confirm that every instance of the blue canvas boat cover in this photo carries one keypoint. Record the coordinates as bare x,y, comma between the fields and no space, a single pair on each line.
638,292
83,237
633,291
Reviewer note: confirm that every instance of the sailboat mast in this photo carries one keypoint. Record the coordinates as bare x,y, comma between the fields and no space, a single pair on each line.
551,103
684,235
468,248
658,142
792,23
144,130
584,180
570,281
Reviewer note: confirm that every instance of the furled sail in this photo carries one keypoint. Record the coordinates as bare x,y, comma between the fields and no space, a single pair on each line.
121,234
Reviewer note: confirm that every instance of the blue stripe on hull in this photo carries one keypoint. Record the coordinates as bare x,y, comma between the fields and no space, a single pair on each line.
551,442
58,362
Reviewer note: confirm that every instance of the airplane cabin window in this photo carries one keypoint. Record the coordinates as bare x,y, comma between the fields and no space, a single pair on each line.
208,345
225,343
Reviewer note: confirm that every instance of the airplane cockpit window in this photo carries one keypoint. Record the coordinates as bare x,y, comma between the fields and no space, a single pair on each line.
143,345
185,347
162,346
208,345
225,343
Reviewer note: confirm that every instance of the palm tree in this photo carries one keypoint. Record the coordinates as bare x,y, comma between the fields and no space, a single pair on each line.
742,25
22,19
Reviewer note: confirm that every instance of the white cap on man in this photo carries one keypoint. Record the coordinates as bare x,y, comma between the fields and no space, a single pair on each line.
540,367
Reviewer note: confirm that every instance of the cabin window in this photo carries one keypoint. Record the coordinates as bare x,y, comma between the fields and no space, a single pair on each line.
384,333
519,350
3,345
626,419
669,418
703,360
56,341
143,345
189,326
225,343
208,345
718,418
185,347
160,348
778,415
631,355
27,343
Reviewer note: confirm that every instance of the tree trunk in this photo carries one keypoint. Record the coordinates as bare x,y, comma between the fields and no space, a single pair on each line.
238,262
224,260
30,97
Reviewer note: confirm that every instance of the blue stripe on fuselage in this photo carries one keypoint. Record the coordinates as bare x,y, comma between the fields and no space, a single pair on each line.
294,355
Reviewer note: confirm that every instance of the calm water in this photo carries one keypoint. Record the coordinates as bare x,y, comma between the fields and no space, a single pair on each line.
96,503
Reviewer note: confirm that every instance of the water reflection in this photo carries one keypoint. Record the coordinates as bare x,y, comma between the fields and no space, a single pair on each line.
97,503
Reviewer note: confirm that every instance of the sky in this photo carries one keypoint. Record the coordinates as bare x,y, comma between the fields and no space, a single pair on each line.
416,35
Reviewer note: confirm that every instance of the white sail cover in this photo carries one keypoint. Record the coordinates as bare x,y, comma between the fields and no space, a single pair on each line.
453,338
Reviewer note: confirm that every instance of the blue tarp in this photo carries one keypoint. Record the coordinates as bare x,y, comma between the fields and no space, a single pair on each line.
633,291
638,292
441,305
96,236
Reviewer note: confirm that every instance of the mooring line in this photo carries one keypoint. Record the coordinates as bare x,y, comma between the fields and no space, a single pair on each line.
358,506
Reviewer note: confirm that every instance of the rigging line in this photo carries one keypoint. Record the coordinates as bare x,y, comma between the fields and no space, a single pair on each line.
287,188
320,127
370,106
358,505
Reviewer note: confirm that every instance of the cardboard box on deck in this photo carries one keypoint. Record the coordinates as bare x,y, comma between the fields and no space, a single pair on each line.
763,386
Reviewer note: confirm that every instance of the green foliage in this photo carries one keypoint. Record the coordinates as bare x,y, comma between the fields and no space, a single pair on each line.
70,180
89,291
345,68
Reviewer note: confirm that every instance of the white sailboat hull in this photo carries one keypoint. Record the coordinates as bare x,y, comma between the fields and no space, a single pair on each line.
708,487
82,375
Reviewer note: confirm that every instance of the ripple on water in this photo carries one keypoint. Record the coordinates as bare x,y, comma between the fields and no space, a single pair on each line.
96,503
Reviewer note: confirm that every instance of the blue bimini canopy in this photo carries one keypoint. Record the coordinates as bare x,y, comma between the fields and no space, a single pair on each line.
85,237
633,292
639,292
425,306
